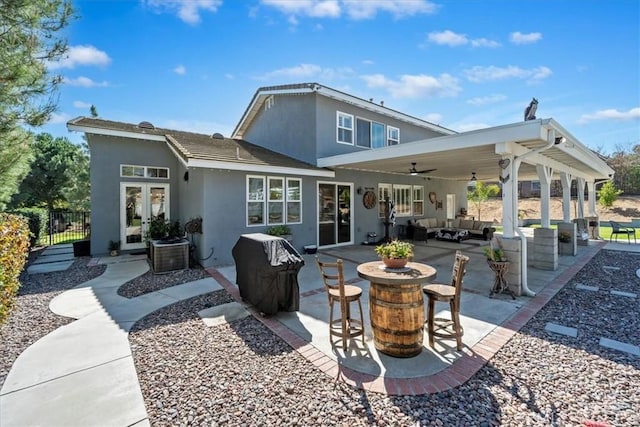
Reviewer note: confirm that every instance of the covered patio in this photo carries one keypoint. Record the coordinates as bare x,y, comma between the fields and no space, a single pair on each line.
488,322
538,150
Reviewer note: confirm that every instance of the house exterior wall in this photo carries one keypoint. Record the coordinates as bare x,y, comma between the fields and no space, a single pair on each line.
304,127
287,127
107,154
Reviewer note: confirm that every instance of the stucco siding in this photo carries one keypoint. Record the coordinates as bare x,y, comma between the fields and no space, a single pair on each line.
287,127
107,154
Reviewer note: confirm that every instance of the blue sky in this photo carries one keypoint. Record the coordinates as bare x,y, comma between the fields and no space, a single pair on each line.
195,64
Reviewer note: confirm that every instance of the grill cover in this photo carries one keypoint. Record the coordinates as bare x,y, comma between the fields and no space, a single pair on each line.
267,272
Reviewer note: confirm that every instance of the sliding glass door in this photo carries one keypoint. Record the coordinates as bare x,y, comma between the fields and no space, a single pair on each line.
334,214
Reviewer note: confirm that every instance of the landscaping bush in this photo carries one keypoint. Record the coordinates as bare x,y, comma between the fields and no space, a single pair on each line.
14,249
38,219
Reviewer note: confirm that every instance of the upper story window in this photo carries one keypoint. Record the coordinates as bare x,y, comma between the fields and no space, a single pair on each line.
144,172
345,128
393,135
377,135
363,133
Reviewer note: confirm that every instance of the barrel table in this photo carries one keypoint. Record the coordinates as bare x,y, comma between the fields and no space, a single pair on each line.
396,306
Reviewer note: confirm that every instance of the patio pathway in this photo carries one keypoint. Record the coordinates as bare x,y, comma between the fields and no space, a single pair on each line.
83,373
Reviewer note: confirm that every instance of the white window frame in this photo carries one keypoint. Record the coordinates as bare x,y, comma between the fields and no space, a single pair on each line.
290,199
391,138
402,199
339,126
145,171
275,201
257,200
384,190
417,198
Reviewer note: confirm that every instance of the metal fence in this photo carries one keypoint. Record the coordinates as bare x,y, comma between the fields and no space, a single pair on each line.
67,227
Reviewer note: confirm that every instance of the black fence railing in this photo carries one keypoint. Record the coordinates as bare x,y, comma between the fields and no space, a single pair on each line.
67,227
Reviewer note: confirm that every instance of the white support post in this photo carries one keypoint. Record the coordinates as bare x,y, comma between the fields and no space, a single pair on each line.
544,175
510,202
580,185
591,192
565,179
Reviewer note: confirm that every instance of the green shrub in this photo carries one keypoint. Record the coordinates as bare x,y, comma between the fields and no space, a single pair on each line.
14,249
38,219
608,194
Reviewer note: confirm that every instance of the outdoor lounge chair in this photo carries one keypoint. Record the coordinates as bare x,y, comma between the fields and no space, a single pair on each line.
337,292
441,327
618,228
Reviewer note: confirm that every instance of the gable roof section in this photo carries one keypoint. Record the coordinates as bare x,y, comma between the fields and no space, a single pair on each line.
203,151
261,95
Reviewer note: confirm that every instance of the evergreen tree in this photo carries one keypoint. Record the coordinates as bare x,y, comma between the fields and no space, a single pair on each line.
29,39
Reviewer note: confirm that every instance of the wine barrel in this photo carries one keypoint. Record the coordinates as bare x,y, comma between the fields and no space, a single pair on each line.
396,312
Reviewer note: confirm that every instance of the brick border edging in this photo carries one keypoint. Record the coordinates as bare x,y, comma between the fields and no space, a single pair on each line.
456,374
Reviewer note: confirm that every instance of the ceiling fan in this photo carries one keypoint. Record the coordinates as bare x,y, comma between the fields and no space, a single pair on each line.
415,172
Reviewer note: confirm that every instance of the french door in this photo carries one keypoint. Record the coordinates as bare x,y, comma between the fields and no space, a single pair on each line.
335,225
139,204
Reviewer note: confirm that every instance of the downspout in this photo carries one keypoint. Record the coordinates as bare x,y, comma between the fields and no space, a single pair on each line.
551,141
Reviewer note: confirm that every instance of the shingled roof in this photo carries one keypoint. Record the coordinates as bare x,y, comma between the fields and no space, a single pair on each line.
198,150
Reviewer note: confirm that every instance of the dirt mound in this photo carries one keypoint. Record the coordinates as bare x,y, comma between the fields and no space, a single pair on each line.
625,209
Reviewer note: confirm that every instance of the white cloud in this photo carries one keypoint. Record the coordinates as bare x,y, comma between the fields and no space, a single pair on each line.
485,43
447,38
611,114
180,69
354,9
415,86
433,118
57,118
229,76
307,71
368,62
450,38
81,104
486,100
479,74
84,82
81,55
187,10
520,38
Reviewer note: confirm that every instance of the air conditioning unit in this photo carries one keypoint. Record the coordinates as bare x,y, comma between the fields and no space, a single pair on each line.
166,257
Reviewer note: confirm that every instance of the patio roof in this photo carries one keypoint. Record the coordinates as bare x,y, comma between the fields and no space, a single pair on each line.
456,156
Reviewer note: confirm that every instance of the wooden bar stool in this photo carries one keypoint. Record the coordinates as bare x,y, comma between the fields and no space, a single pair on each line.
441,327
337,292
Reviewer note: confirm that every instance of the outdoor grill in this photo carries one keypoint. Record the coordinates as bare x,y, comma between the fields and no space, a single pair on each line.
267,272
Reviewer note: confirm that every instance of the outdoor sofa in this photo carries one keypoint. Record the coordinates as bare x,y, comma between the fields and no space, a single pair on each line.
428,227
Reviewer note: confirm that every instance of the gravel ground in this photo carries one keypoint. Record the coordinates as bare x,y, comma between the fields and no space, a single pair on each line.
31,318
242,374
150,282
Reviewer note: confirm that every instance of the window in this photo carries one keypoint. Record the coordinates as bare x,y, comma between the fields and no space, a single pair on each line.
143,172
402,199
377,135
255,200
269,102
418,200
294,201
274,200
363,133
345,128
393,135
384,193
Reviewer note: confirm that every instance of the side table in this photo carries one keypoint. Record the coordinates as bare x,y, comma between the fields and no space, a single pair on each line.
500,283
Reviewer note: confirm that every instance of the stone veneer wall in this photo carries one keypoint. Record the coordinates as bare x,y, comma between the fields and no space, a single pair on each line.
569,227
545,248
512,250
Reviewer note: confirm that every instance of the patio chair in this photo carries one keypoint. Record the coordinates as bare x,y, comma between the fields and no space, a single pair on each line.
345,327
618,228
442,327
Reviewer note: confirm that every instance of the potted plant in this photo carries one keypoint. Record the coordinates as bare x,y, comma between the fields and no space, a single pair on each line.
564,236
280,231
114,247
494,254
395,254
